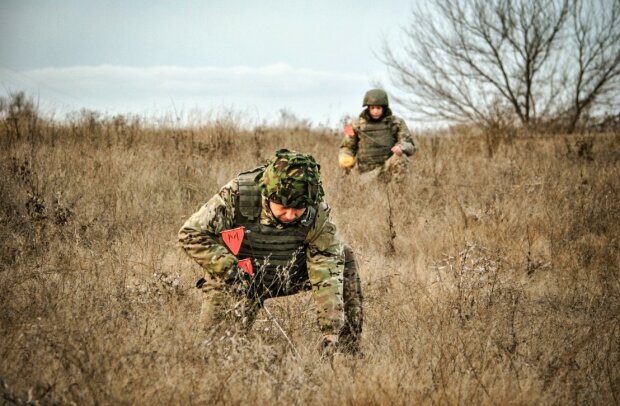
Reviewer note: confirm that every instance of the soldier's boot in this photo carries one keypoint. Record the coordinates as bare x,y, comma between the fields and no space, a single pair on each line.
350,335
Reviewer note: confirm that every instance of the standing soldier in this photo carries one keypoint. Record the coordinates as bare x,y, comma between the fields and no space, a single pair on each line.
268,233
376,139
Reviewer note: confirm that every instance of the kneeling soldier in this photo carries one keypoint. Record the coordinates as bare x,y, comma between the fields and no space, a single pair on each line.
268,233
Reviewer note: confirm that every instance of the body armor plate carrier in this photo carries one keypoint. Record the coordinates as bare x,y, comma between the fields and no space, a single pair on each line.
375,143
278,255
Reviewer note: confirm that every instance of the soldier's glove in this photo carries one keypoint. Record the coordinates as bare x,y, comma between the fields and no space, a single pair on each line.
328,345
346,161
239,282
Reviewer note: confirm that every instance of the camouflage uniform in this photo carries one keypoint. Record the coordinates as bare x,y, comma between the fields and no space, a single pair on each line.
307,254
368,142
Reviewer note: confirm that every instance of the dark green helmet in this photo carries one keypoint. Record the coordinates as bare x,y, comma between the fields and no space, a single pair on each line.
291,179
376,97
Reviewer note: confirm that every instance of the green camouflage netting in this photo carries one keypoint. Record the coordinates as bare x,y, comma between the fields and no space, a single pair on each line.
291,179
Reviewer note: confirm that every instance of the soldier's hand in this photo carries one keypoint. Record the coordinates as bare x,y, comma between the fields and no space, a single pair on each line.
346,161
239,281
396,150
328,345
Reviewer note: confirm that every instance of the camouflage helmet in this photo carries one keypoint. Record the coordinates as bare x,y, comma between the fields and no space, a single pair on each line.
291,179
376,97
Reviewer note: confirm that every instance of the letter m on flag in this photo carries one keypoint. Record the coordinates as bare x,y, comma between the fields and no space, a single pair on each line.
233,239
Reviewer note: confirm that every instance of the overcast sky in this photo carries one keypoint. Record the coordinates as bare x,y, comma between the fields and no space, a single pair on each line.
314,58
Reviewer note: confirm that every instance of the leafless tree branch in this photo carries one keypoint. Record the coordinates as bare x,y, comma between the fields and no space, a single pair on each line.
467,60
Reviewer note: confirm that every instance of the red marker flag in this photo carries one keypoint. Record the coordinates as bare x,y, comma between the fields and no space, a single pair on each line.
246,265
233,239
348,130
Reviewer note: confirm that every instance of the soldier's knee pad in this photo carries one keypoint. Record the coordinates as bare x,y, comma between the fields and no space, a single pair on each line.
352,283
349,258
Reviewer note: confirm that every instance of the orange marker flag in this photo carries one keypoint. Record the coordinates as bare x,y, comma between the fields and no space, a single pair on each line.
233,239
246,265
348,130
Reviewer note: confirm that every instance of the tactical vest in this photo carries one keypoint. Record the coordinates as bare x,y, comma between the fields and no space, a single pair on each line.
376,140
278,255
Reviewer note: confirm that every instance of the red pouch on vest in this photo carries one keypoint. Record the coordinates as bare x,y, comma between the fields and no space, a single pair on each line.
246,265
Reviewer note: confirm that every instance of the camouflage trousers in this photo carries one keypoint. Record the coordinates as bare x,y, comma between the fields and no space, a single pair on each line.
394,168
223,313
351,333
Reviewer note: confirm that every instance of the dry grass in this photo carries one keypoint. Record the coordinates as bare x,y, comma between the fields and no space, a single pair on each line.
489,278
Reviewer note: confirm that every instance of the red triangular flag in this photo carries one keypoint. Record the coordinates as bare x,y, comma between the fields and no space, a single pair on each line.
233,239
348,130
246,265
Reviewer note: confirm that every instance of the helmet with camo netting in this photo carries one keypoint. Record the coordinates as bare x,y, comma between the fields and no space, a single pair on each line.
291,179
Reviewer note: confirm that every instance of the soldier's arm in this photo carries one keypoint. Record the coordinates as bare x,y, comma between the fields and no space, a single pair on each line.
348,145
325,258
199,236
403,137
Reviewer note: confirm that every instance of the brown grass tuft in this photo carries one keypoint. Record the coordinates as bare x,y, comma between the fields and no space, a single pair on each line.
493,279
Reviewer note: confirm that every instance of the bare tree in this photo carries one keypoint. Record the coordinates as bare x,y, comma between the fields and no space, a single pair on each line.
594,71
521,61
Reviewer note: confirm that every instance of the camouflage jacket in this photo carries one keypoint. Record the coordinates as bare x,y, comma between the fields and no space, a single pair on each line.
199,237
349,144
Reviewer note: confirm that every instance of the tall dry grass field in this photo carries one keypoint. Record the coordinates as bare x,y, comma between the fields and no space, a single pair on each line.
491,274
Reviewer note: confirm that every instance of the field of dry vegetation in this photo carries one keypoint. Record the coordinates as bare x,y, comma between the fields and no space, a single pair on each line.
491,274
